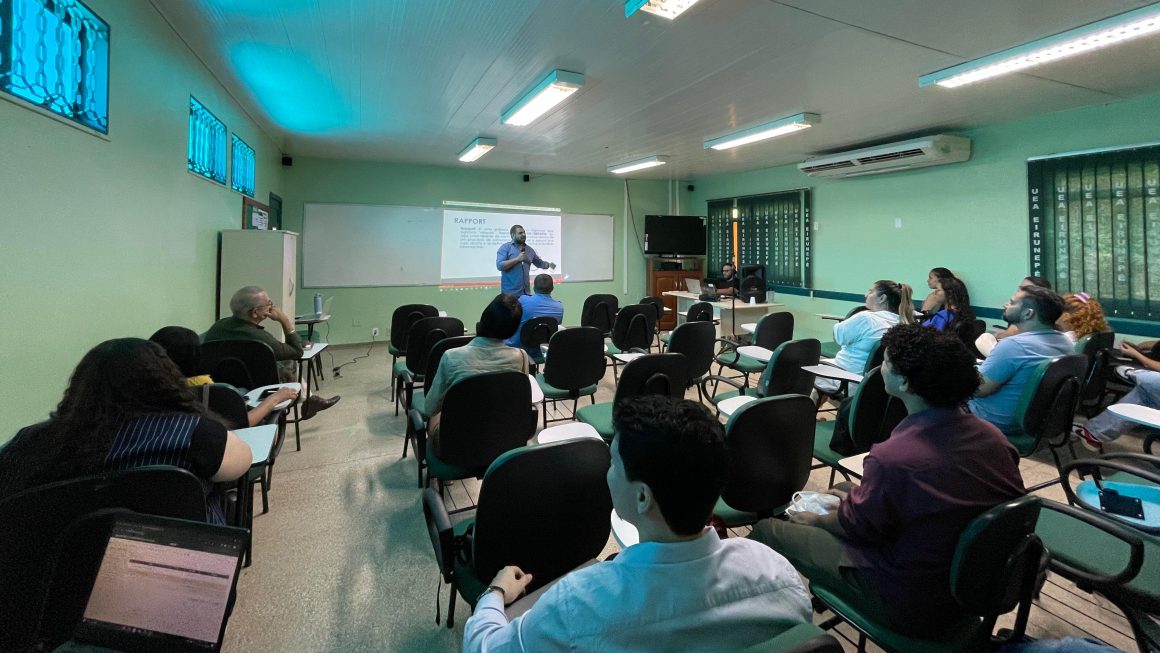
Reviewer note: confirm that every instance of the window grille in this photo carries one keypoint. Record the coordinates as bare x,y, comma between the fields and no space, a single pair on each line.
242,177
207,143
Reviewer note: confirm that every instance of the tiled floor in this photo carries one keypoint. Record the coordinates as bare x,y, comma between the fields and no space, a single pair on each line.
342,561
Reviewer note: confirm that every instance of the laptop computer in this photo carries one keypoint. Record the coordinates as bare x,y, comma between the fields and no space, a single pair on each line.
162,585
693,286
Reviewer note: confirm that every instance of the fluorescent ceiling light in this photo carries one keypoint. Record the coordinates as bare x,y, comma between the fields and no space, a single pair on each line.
554,89
761,132
638,164
477,149
664,8
1092,36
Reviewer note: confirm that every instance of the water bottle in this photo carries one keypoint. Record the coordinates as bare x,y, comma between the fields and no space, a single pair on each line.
318,303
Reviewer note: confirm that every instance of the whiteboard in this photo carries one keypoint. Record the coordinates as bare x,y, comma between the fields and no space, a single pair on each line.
363,245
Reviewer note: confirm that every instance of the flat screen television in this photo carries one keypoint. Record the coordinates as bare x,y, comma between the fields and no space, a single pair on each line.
674,234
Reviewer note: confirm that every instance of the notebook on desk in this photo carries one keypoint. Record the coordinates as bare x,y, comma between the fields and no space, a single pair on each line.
162,585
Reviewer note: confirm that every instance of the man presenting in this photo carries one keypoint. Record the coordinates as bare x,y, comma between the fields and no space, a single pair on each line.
514,260
682,587
1032,312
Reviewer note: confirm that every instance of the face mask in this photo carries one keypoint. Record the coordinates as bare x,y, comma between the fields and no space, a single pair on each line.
818,503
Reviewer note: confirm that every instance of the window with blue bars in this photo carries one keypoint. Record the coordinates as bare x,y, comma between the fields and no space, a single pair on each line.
207,142
242,179
55,54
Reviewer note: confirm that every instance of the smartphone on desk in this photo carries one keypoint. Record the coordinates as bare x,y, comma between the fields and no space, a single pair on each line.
1114,503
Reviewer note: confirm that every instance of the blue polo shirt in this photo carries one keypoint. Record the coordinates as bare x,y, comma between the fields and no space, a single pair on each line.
515,280
537,305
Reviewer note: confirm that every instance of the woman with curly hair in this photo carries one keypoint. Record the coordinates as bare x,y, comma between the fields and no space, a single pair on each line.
1083,316
937,298
127,405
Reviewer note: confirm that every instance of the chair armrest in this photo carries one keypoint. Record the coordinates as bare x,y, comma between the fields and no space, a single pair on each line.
439,530
1112,461
419,431
1150,440
714,378
727,346
1122,533
407,376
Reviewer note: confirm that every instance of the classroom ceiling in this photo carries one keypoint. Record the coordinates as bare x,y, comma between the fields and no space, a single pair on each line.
416,80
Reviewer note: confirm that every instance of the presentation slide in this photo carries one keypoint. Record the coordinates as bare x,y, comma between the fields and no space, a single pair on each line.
472,238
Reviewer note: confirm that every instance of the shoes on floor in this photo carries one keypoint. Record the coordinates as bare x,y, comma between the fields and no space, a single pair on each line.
314,404
1089,441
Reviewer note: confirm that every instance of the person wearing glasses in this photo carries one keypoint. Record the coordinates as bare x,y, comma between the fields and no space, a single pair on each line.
729,282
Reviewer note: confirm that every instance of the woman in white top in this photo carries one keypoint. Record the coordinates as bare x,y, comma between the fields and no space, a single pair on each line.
887,303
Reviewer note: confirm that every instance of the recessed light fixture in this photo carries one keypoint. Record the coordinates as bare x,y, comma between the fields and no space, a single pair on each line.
761,132
552,90
664,8
476,149
638,164
1100,34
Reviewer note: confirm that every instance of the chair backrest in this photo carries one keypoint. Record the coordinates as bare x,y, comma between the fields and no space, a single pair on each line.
876,357
773,329
226,360
224,400
599,311
783,373
854,311
657,303
543,508
634,327
969,332
873,413
997,559
1094,347
654,374
538,331
403,317
771,444
34,519
575,358
484,416
425,332
1049,398
695,340
700,312
437,351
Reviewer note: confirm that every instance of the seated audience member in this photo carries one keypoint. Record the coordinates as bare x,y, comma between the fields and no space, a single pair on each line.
250,306
539,304
956,310
1023,285
887,303
1033,312
1082,316
1107,426
729,282
682,588
183,348
127,405
485,353
889,545
936,299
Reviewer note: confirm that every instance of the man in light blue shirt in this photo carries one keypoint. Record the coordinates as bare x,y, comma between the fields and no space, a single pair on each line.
1033,312
541,304
682,588
514,260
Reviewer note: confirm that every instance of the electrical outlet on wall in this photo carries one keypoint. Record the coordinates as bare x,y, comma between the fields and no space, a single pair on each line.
374,332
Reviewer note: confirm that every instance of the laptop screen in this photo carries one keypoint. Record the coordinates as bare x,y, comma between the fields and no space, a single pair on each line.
163,583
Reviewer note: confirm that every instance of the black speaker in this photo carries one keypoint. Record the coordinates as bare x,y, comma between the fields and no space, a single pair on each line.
753,288
527,178
287,160
689,188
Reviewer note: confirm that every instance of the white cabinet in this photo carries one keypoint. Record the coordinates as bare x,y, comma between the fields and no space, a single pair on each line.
255,257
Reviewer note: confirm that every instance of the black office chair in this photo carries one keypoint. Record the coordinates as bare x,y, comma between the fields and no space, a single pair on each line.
482,417
698,312
802,638
421,338
401,320
535,332
771,443
782,375
247,364
996,569
1046,408
1096,348
872,417
632,332
224,401
658,304
418,402
772,330
547,532
572,369
599,311
34,519
695,340
660,374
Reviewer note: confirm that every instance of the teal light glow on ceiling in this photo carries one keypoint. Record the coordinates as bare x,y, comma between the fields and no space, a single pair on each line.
297,95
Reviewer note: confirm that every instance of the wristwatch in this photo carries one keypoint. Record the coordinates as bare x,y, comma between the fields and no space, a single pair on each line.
489,590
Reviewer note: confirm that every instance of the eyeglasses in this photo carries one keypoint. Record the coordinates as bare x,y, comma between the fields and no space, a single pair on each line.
270,305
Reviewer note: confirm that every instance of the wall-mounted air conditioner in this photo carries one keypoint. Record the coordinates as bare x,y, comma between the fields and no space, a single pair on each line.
905,155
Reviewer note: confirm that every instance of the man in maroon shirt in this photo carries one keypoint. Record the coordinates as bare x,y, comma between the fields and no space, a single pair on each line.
888,547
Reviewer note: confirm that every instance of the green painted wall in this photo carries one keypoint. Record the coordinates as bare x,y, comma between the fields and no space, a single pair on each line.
357,310
104,238
969,217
